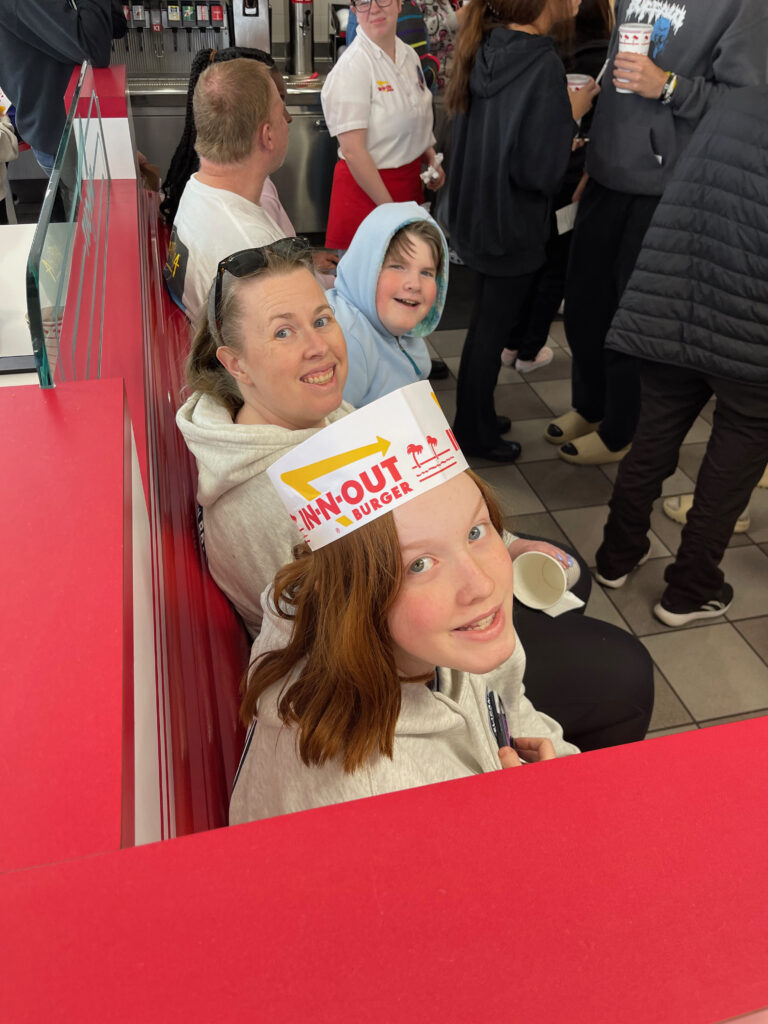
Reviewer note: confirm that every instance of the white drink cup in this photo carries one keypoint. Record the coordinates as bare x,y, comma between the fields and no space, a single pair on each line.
633,38
540,580
577,82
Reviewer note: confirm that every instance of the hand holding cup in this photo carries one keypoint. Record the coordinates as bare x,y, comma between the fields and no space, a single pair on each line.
582,92
636,72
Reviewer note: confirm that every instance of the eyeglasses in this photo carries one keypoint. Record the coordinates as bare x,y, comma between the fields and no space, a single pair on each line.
365,5
248,261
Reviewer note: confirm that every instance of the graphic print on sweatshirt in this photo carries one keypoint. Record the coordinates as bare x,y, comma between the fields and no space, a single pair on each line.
665,17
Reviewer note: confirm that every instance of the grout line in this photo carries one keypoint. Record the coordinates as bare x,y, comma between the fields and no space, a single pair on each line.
688,711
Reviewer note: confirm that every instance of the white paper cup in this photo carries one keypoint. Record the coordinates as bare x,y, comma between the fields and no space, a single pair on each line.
577,82
51,317
540,580
634,38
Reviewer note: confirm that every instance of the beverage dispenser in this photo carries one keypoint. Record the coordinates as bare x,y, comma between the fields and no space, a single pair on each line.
302,39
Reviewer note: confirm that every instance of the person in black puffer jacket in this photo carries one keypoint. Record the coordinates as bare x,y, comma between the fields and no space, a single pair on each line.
695,312
700,50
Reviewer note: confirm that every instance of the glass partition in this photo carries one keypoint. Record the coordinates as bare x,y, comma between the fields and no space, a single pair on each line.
66,270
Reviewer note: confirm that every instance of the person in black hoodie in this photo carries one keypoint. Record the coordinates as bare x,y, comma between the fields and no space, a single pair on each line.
512,138
695,315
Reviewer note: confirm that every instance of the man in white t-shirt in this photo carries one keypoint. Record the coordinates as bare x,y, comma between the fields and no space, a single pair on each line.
242,136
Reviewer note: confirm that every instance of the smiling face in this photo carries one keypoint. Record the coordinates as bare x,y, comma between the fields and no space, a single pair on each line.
407,286
454,608
292,367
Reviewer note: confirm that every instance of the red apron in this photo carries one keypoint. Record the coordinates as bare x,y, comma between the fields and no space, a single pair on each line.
350,205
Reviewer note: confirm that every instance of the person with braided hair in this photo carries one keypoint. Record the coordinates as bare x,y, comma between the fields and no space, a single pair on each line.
241,128
185,160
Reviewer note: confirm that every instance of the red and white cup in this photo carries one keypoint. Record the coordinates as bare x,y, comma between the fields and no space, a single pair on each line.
633,38
577,82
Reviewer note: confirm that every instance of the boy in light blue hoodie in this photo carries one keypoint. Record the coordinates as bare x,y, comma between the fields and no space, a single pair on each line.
390,292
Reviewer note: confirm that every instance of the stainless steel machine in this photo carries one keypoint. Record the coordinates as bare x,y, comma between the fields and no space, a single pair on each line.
162,39
302,51
304,180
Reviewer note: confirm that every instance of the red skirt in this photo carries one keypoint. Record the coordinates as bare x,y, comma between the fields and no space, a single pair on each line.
350,205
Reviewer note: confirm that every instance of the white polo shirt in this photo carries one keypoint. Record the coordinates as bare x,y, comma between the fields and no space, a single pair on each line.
210,223
366,89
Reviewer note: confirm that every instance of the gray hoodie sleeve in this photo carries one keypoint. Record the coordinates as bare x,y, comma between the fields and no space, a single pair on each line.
740,59
9,145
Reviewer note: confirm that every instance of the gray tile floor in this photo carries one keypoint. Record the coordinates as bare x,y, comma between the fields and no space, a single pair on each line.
705,674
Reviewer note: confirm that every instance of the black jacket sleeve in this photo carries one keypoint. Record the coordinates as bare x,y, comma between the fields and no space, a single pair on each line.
61,31
544,140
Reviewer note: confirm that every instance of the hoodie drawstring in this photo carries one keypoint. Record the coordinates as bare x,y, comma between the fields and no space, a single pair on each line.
416,370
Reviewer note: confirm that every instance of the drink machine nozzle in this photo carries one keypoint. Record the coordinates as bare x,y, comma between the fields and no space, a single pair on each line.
173,21
156,23
139,22
189,21
217,17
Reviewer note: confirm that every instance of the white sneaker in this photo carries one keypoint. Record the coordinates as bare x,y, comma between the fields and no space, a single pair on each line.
711,609
508,356
619,581
544,357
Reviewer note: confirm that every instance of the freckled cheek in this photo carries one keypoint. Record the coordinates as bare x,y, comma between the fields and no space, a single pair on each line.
500,569
414,618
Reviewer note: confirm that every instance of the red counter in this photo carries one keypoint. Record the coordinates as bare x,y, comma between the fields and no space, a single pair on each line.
621,886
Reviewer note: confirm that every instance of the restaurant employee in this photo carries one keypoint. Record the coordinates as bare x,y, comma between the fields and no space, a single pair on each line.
376,103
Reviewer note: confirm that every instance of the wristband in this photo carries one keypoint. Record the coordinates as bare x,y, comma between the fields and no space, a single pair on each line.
669,87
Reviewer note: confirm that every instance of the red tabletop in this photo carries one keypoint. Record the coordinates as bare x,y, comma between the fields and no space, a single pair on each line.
626,885
66,675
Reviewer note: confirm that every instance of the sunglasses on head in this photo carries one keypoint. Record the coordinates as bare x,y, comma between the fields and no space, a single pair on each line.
248,261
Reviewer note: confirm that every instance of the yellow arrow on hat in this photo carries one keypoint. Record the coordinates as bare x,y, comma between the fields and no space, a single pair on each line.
299,479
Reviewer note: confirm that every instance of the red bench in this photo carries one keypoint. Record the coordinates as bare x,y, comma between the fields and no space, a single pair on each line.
205,643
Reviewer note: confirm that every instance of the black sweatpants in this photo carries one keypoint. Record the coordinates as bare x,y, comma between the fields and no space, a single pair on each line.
499,313
594,679
548,293
609,231
737,451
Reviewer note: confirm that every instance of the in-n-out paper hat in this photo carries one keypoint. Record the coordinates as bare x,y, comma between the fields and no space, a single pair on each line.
367,464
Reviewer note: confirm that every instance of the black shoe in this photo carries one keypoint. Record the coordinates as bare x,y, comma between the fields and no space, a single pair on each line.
502,451
719,605
439,370
503,424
